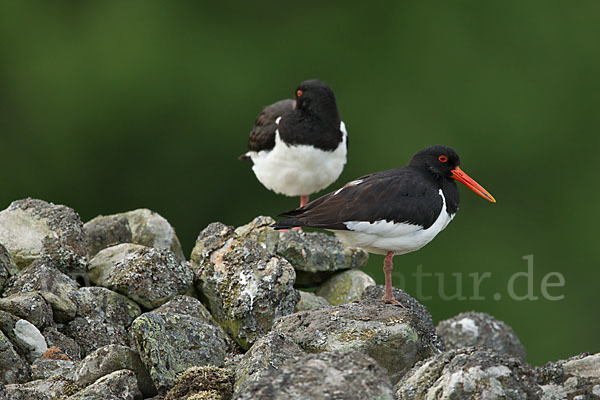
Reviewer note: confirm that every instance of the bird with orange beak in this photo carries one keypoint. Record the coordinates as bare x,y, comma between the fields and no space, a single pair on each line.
392,212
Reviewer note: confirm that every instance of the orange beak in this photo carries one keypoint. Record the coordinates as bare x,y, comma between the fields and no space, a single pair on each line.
460,176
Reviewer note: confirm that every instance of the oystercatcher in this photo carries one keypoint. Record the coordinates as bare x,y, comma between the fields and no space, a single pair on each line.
392,212
298,146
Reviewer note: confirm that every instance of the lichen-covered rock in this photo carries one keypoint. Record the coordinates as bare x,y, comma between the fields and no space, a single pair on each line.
171,343
141,226
480,329
246,288
575,378
67,345
345,287
56,288
13,369
201,383
469,373
267,354
331,375
119,385
32,229
47,368
42,389
146,275
7,267
30,306
103,317
109,359
310,301
314,255
395,337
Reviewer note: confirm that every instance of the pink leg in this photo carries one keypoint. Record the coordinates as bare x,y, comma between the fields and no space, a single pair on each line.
303,202
388,266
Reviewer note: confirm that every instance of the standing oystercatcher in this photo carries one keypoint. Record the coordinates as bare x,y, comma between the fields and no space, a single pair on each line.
392,212
299,146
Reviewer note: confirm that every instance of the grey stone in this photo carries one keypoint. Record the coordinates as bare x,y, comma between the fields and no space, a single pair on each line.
119,385
66,344
109,359
32,229
45,368
345,287
575,378
395,337
245,287
267,354
29,339
480,329
13,369
146,275
202,383
171,343
141,226
7,267
469,373
331,375
314,255
310,301
56,288
30,306
103,317
42,389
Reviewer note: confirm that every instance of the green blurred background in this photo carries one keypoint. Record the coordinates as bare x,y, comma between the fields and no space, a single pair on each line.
111,106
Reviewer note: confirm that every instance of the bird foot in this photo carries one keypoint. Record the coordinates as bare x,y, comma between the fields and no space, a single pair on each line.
392,300
297,228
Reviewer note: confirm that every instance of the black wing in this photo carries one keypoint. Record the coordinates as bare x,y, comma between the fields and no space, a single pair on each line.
262,136
400,195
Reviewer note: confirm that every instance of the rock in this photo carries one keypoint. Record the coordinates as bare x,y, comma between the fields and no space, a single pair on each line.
575,378
7,267
42,389
30,306
103,317
47,368
267,354
191,306
203,382
310,301
109,359
395,337
146,275
314,255
469,373
56,288
119,385
171,343
33,229
13,369
345,287
142,226
30,339
330,375
246,288
55,338
480,329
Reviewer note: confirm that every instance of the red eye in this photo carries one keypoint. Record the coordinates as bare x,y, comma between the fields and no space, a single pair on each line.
443,158
298,93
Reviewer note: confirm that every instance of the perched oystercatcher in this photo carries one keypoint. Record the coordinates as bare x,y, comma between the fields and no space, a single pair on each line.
392,212
298,146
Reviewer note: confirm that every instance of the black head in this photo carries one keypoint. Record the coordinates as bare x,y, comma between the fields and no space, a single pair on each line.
316,97
441,160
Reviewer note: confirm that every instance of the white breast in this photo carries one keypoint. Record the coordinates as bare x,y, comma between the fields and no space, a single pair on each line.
382,236
298,170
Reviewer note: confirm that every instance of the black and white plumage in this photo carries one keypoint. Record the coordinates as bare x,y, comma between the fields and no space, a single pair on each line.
299,146
391,212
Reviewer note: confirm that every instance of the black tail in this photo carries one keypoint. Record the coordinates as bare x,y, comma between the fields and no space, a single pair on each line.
244,156
288,223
